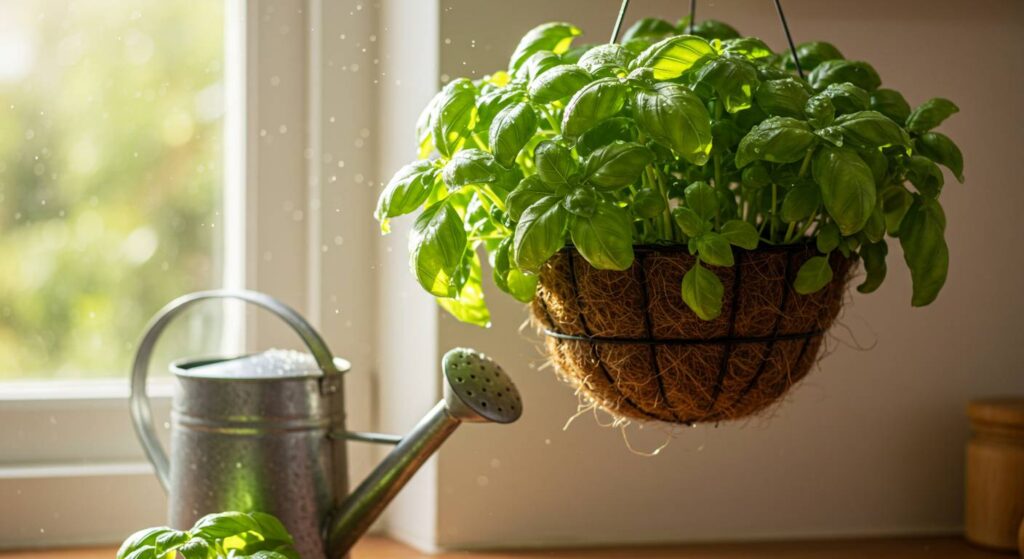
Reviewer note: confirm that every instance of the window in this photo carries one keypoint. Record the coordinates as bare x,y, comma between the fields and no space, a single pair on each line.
111,173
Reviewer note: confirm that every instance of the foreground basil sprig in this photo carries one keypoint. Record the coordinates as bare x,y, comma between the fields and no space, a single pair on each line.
227,535
709,140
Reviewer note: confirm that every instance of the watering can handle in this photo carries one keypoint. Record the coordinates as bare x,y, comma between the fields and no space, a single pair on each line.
142,415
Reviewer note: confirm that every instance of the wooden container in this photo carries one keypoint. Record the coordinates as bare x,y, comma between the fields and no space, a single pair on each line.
995,473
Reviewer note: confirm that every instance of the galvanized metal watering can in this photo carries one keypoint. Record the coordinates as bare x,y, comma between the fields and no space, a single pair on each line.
267,432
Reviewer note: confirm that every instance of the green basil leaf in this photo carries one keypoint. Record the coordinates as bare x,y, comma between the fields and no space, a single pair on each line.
924,249
831,134
606,59
265,554
733,79
820,111
827,238
801,202
530,189
755,176
614,129
558,83
709,29
555,163
493,102
271,529
786,97
669,58
539,233
715,249
453,116
703,292
605,239
925,175
468,305
930,114
436,246
847,98
778,139
226,524
616,165
871,129
196,549
691,223
553,37
751,48
676,118
860,74
648,203
896,201
169,540
582,201
512,128
648,28
508,278
140,539
470,166
702,198
812,54
537,64
873,255
144,552
813,275
424,126
940,149
740,233
890,103
877,161
592,104
847,187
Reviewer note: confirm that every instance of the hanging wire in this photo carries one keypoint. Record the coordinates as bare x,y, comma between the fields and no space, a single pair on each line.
789,38
618,21
693,17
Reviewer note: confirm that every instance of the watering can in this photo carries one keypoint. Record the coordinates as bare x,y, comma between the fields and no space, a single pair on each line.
267,432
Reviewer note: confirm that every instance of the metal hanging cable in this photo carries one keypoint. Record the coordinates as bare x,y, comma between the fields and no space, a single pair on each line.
789,38
618,21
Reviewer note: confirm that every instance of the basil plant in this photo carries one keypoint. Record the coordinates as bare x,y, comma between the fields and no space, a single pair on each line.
709,140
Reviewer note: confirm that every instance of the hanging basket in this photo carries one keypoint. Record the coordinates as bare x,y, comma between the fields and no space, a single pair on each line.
632,346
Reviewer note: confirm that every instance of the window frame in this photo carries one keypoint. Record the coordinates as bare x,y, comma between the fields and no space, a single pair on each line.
69,448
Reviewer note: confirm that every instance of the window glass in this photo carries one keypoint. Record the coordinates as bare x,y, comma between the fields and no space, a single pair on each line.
110,176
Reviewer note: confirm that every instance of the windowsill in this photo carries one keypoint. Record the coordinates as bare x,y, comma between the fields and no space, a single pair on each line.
75,390
903,548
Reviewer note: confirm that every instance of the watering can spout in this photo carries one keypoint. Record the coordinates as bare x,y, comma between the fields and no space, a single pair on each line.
475,390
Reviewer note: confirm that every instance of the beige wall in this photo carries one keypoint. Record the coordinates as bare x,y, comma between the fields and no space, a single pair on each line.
872,443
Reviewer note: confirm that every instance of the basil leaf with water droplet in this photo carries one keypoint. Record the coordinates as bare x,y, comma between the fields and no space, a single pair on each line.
616,165
436,246
813,275
511,130
669,58
582,201
847,98
648,203
553,37
778,139
860,74
405,192
930,114
733,79
539,233
820,111
871,129
703,292
785,97
558,83
614,129
750,48
610,59
491,103
847,187
592,104
812,54
691,223
890,103
453,116
508,278
940,149
605,238
529,190
554,163
470,166
676,118
873,255
922,236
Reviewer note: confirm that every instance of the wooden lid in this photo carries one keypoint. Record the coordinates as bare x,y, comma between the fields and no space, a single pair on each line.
1006,411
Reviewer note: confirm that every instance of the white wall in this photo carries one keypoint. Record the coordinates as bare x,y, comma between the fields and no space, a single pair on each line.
872,443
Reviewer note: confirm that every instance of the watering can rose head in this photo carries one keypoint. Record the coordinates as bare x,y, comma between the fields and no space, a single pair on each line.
707,140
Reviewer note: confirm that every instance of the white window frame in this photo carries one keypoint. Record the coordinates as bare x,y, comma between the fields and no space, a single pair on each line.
71,470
